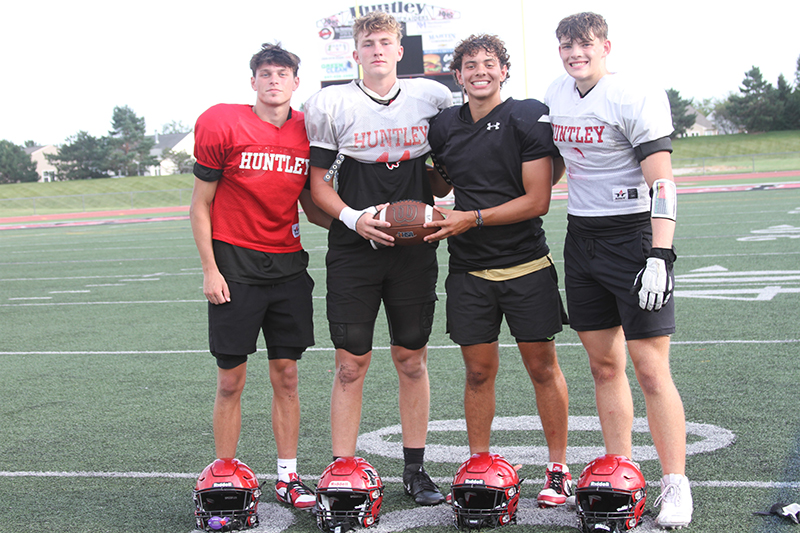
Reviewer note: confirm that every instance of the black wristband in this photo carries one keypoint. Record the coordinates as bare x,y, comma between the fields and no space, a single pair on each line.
667,254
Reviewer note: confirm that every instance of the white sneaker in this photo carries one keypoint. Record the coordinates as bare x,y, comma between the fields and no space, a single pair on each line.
675,501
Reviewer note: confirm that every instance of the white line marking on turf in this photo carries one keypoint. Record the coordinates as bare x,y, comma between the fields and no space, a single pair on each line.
330,348
30,298
116,276
378,442
67,292
108,303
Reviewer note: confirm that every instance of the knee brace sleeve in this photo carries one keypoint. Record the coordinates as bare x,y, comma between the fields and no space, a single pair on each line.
355,338
410,325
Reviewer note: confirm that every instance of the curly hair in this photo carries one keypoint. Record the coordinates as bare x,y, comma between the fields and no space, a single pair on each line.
376,21
473,44
582,27
273,54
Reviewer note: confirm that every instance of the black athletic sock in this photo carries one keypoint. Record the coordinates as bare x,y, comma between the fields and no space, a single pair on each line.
413,456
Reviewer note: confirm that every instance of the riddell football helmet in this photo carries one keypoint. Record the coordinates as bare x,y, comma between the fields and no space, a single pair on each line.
349,495
226,497
611,494
485,492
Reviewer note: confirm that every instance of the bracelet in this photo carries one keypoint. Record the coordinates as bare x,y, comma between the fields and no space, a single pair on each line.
478,218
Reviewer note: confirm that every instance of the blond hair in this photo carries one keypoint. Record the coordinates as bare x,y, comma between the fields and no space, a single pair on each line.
376,21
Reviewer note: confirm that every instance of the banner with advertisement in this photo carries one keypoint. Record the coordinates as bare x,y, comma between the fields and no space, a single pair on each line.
437,26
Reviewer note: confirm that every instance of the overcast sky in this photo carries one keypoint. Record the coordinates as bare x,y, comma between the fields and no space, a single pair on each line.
65,65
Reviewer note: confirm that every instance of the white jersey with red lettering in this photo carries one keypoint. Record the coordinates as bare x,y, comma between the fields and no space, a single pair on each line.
345,119
596,136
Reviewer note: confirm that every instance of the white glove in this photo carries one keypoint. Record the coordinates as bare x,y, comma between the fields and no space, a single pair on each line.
654,283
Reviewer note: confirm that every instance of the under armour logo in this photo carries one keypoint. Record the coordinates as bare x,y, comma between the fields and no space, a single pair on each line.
490,126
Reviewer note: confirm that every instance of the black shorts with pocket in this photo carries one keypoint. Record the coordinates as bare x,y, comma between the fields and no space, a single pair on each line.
531,305
282,311
599,274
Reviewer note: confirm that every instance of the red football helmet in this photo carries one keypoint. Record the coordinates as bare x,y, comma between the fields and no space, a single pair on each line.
485,492
226,496
349,495
611,494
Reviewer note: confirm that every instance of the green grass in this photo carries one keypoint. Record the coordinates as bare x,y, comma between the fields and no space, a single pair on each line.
107,376
739,144
728,154
24,199
97,186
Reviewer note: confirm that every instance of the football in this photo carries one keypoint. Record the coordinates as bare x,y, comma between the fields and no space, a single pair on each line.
407,218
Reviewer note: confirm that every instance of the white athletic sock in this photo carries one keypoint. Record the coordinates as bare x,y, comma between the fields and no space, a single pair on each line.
286,467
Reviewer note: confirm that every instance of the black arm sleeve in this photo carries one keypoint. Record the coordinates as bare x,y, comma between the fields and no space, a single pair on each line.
207,174
664,144
322,157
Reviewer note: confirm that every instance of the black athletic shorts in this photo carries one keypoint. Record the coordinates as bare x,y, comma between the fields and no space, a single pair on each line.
599,273
357,280
531,305
282,311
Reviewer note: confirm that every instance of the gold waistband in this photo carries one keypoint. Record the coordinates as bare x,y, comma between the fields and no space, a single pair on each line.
504,274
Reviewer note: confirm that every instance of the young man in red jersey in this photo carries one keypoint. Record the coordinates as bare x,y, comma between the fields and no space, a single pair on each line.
251,170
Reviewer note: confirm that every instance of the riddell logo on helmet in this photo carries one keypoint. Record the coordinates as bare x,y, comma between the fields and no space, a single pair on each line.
474,482
600,484
339,484
223,484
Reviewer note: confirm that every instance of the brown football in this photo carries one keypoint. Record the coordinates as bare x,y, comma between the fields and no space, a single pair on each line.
407,218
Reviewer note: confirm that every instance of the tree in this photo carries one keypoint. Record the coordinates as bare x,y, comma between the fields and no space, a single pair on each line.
783,95
757,105
721,116
797,75
705,106
184,162
16,165
82,157
682,120
129,148
175,126
792,108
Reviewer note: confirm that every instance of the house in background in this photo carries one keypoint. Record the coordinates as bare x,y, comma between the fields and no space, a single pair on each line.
702,125
176,143
46,171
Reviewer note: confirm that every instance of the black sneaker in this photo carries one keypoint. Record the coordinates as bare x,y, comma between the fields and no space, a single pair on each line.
420,486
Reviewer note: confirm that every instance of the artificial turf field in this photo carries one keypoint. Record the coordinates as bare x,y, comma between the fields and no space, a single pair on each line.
108,386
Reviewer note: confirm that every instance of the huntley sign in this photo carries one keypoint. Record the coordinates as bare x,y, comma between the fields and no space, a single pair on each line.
435,26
